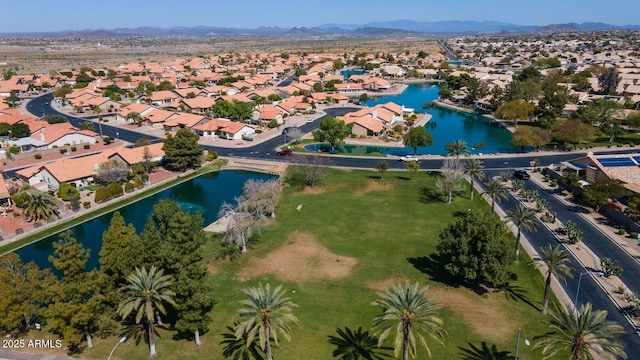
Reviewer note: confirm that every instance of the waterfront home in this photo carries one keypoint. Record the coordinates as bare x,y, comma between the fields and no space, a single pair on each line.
132,156
622,167
366,126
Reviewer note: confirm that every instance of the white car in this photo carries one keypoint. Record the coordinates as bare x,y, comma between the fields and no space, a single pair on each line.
409,158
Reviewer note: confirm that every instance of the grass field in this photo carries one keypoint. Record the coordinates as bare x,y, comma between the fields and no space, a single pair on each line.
355,235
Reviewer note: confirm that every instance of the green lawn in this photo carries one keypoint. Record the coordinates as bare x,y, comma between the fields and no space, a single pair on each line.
388,229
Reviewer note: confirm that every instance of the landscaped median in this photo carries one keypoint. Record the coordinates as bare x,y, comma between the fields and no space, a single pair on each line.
58,226
612,285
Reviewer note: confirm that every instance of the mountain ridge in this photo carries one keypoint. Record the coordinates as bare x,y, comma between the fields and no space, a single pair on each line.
394,27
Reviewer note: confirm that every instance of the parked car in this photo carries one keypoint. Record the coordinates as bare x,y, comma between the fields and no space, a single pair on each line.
285,152
522,174
409,158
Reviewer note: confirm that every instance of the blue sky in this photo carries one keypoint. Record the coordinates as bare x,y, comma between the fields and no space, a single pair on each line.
41,15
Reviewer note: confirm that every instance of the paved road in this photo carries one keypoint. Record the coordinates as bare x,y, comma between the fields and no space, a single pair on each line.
267,149
590,291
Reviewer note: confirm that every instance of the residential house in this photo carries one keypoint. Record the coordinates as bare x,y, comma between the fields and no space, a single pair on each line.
267,113
199,104
224,128
183,121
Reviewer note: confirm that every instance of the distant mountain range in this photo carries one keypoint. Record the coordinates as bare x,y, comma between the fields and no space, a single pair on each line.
386,28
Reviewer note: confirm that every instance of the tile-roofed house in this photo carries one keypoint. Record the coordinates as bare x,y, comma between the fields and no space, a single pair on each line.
224,128
59,135
78,170
266,113
132,156
141,109
184,92
183,120
366,126
156,117
163,98
199,104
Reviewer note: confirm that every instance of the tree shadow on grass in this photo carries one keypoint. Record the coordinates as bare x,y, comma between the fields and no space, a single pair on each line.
516,293
433,266
405,178
429,195
484,352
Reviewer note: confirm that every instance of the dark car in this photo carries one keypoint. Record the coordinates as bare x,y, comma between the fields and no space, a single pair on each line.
285,152
522,174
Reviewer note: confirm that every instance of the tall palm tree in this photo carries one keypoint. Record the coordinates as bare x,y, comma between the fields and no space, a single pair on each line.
457,148
41,206
356,345
523,217
474,171
557,260
497,191
146,293
585,333
267,313
406,309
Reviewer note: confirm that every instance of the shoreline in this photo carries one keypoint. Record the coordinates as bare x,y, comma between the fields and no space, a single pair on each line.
448,105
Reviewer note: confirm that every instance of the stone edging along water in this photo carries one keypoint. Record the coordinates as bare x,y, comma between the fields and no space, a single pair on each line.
18,242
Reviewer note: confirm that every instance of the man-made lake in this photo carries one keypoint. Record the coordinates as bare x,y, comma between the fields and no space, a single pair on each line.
205,194
445,125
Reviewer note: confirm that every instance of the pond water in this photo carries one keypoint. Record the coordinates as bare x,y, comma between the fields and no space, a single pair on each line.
205,194
446,126
347,73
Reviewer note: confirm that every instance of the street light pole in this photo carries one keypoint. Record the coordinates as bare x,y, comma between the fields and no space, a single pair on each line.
526,342
575,300
122,339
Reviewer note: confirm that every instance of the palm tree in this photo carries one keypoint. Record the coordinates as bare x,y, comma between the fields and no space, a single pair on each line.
496,191
267,312
556,259
523,217
41,206
237,348
474,171
87,125
457,148
356,345
146,293
585,333
406,309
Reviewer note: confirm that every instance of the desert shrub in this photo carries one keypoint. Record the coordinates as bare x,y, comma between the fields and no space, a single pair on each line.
37,156
86,204
67,192
102,194
73,148
611,267
137,182
86,146
128,187
107,141
211,156
14,149
20,198
19,231
115,189
622,230
62,151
